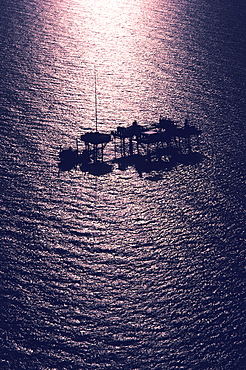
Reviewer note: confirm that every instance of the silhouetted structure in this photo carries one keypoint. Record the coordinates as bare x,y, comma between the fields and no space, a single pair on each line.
161,139
155,148
129,138
95,143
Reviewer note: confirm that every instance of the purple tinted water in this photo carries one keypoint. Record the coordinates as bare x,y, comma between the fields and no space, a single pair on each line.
121,271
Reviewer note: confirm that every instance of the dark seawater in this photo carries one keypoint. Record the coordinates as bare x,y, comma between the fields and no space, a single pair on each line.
120,271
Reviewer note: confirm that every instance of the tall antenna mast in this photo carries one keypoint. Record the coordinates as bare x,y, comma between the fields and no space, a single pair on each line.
95,81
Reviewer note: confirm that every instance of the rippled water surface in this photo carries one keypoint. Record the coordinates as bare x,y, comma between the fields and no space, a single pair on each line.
123,270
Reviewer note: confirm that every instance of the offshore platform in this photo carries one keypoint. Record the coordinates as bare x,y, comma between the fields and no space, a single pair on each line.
154,147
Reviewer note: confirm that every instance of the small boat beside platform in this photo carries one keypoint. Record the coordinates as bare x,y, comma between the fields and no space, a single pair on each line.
93,152
70,158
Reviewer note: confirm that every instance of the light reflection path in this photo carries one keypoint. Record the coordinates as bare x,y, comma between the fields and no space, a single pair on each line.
123,39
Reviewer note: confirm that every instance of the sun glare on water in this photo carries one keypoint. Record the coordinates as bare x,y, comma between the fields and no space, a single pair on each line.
117,38
111,38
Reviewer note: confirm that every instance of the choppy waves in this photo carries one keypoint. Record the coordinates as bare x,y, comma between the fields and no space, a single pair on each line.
120,271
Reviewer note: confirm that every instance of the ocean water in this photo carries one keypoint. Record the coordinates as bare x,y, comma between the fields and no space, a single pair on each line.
122,271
